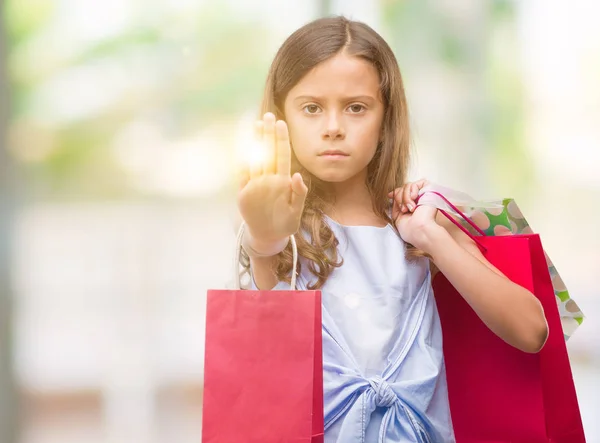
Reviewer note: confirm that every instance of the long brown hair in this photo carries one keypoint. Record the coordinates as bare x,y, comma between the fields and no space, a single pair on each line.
307,47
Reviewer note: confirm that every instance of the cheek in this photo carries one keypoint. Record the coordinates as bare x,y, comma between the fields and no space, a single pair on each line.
297,136
367,136
299,141
301,133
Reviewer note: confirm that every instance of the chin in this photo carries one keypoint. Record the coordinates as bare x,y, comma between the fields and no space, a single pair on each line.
332,176
335,172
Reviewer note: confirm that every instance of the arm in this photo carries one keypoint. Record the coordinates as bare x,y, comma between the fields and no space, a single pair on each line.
509,310
262,266
271,201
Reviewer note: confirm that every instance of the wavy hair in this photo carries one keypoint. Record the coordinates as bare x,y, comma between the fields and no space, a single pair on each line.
303,50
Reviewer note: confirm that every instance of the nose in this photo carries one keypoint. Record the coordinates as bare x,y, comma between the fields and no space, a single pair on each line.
334,129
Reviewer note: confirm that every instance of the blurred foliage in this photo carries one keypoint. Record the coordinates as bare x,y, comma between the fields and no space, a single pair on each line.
26,17
183,72
180,74
513,165
424,33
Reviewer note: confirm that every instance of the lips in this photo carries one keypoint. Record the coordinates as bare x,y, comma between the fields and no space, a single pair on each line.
333,152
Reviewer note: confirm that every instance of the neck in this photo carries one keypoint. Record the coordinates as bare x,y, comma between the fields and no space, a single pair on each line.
352,202
351,195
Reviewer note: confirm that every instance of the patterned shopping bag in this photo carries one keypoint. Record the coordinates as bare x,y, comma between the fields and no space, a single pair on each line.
507,219
503,217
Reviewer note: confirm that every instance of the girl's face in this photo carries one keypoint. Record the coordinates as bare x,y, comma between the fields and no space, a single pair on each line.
334,114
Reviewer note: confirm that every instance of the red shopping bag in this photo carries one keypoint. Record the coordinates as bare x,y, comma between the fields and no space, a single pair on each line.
263,370
497,393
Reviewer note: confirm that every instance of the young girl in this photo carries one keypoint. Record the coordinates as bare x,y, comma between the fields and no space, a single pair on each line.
336,127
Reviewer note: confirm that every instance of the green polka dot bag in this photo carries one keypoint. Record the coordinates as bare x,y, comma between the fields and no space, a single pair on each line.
504,217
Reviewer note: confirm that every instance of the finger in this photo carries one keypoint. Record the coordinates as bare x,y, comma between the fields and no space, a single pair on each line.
270,142
414,191
406,200
258,130
299,191
243,177
413,194
256,157
420,184
255,169
395,210
391,194
259,127
284,149
396,194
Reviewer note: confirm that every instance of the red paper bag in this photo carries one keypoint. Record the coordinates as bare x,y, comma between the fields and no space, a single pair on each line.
497,393
263,370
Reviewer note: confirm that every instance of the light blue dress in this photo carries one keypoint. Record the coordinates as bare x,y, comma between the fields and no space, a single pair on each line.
384,375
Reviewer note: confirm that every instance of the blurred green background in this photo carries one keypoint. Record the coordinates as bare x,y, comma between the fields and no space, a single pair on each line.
121,123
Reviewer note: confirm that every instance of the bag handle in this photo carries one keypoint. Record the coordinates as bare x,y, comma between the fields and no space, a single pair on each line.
238,255
460,214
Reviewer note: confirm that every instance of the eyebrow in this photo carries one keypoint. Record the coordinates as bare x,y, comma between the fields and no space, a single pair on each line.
347,99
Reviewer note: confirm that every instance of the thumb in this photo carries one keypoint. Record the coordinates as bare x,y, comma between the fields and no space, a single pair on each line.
299,191
243,177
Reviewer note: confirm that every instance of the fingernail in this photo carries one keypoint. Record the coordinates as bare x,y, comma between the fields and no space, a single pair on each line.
411,208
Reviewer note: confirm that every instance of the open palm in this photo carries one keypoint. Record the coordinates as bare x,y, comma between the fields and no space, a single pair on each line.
270,200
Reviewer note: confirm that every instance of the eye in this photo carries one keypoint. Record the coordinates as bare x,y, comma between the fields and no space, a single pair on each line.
311,109
356,108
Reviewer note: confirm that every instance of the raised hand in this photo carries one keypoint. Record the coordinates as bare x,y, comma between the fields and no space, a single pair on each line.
270,200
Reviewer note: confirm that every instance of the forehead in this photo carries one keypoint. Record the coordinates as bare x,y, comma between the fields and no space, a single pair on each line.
340,76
